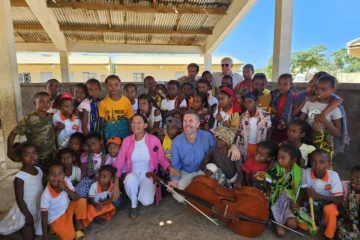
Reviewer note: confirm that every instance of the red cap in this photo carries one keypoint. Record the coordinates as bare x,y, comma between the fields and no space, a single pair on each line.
66,96
236,104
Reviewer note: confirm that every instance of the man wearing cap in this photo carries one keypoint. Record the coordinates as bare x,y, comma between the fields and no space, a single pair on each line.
189,150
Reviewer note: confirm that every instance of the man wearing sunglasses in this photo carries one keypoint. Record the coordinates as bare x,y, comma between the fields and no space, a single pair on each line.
226,69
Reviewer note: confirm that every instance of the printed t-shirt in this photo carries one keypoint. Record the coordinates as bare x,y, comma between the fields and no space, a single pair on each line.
113,111
167,146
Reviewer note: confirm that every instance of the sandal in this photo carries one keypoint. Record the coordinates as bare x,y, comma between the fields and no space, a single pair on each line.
79,235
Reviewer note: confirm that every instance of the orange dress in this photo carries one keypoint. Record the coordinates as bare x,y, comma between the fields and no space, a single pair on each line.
106,213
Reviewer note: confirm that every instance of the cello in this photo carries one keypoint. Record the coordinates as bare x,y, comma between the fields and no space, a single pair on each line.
245,210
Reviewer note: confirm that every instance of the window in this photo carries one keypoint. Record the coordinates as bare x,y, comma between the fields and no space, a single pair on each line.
25,77
138,77
45,76
88,75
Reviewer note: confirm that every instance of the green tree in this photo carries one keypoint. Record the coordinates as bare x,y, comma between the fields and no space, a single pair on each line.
269,68
305,60
343,60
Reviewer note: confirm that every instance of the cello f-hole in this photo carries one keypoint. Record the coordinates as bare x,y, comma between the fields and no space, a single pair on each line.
228,200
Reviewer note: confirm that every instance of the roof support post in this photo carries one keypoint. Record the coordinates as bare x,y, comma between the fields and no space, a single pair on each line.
10,94
64,66
282,37
208,61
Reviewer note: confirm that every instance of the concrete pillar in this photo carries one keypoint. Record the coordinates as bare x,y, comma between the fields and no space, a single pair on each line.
208,61
64,66
282,37
10,95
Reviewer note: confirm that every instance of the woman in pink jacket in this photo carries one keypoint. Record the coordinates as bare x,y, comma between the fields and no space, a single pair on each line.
141,152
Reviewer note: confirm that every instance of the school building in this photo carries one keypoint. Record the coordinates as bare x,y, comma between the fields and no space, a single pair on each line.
40,67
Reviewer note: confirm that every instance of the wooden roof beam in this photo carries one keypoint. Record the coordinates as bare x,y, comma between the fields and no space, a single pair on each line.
135,31
142,9
48,21
18,3
116,30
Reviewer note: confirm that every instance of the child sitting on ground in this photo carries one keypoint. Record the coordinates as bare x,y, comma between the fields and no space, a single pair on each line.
324,187
59,205
348,221
65,122
174,103
255,126
91,162
113,146
130,91
100,207
67,157
330,125
38,129
282,190
256,168
77,145
25,214
218,165
299,135
201,106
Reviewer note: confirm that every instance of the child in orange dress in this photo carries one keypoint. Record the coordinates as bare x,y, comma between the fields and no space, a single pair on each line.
59,204
100,207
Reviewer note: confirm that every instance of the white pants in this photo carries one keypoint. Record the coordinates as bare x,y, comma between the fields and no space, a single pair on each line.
139,188
186,179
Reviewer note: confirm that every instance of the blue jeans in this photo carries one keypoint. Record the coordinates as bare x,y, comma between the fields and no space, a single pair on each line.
120,201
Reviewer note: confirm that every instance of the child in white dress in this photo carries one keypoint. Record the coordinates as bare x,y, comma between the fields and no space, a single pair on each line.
25,214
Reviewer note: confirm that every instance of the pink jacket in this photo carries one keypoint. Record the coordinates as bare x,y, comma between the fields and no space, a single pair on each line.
156,152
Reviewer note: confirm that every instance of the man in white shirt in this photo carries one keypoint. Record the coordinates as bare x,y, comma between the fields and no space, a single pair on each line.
193,70
226,68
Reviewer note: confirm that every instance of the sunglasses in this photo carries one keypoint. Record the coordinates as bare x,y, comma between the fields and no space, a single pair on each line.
225,65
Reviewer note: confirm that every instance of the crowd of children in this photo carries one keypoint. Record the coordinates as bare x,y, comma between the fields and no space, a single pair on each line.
285,138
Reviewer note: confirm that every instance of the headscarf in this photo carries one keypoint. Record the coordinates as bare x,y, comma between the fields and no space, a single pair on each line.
225,134
236,104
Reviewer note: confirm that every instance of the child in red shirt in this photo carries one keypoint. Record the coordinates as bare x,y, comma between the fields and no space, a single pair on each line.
256,168
281,106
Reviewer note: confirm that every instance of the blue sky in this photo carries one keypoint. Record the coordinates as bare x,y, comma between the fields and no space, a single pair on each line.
332,23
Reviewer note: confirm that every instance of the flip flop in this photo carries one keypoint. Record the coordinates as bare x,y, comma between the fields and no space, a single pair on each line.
79,235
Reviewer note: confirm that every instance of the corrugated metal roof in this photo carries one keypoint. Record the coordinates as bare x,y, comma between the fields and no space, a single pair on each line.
166,60
26,58
97,19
